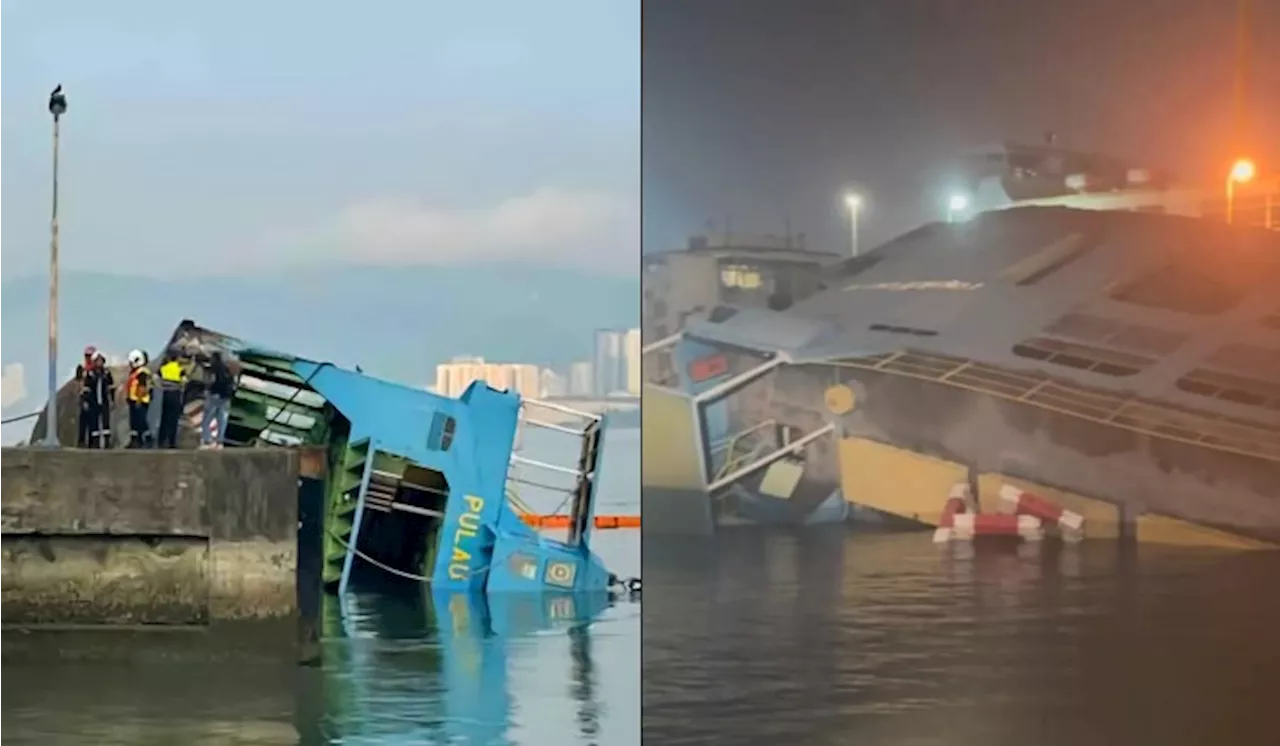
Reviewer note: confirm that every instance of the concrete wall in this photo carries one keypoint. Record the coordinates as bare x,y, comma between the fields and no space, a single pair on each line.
149,537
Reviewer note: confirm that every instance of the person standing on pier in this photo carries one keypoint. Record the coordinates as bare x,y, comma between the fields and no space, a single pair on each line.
217,402
82,379
173,384
101,387
138,394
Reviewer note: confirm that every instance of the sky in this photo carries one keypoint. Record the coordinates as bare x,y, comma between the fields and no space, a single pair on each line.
235,137
760,113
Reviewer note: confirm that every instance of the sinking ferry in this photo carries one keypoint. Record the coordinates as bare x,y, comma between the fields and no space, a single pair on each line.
767,272
1111,344
420,485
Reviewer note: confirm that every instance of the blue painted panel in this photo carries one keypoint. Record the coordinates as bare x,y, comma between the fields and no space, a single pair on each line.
539,564
480,533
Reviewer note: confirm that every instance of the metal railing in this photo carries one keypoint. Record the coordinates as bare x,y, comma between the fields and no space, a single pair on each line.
516,475
791,449
1118,410
734,457
22,417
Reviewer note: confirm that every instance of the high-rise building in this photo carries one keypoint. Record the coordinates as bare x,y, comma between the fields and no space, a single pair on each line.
631,349
453,378
15,384
553,384
581,379
610,369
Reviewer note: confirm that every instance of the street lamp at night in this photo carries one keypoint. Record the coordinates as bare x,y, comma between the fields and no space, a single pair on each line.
956,204
854,203
1242,172
57,107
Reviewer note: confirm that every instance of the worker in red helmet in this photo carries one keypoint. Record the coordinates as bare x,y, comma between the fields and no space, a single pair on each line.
88,417
102,394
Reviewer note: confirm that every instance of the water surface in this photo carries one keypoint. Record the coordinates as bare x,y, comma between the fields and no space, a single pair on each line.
402,669
827,637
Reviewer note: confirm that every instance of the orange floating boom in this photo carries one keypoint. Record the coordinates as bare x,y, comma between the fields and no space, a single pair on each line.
562,521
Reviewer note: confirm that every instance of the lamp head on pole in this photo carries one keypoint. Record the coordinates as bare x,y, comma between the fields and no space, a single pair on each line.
1242,171
57,102
853,201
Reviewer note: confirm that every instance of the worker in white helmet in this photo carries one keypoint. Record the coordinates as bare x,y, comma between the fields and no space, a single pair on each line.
138,394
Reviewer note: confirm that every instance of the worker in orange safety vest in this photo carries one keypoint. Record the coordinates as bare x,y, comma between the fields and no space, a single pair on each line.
138,395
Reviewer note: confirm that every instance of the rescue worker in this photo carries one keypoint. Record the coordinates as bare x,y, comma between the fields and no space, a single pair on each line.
87,415
102,395
217,402
173,383
138,394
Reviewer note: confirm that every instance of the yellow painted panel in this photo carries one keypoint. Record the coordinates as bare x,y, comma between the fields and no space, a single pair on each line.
897,481
1101,519
669,456
1159,529
781,478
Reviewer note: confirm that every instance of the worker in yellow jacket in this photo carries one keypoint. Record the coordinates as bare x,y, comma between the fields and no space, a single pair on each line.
173,385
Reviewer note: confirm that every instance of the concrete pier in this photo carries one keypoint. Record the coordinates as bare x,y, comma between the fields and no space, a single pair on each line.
175,538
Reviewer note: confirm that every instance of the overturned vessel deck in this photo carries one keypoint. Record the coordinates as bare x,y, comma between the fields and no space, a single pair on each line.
1125,364
420,486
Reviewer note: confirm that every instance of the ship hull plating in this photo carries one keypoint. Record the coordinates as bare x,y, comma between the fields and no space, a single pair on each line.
1109,363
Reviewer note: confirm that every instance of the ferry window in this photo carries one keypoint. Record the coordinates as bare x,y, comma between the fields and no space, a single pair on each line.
1183,288
892,329
1082,357
1236,389
740,276
442,430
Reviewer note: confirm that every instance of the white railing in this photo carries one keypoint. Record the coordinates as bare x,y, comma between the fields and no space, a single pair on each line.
516,476
794,448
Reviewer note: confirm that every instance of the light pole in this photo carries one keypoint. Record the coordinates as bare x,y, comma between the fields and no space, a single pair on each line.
854,203
1241,173
57,107
956,203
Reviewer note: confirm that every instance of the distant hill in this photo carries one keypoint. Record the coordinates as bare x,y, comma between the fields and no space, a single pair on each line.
395,322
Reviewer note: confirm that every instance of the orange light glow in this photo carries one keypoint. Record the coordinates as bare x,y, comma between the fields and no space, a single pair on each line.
1243,171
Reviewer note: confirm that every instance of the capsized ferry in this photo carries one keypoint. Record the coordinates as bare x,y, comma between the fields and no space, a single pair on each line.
1087,330
419,486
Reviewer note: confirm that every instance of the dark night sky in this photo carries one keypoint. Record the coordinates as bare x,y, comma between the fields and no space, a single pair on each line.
763,109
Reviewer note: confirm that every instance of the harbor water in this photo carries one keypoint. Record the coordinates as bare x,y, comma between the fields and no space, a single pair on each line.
397,669
828,637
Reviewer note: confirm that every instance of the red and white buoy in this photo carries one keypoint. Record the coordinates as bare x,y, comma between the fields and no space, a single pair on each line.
1014,501
957,503
967,526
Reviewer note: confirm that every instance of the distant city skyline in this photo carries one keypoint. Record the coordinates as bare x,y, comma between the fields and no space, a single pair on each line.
613,371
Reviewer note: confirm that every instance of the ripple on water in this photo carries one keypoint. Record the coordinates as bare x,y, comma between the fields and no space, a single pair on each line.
827,637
